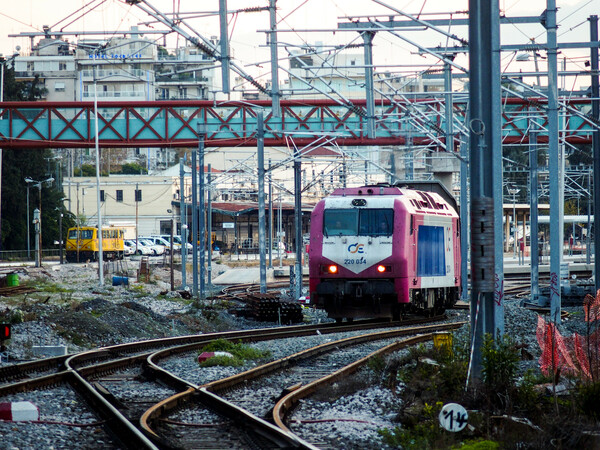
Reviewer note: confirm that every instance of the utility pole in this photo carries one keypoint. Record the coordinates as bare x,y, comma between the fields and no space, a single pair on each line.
260,146
195,214
201,212
533,219
136,219
60,234
209,225
171,255
595,143
485,151
182,207
368,54
98,203
554,167
224,45
275,93
270,218
298,220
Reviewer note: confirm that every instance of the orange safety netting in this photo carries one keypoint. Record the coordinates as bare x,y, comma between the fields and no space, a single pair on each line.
576,355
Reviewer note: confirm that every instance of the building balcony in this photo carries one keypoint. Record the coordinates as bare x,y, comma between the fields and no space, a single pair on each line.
116,95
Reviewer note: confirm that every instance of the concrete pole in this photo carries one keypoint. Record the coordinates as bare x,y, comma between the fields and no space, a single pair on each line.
37,227
260,146
464,221
298,220
209,227
485,151
40,224
60,235
201,214
588,250
595,142
98,203
182,221
29,232
555,172
533,208
195,215
368,53
275,93
270,218
224,45
171,256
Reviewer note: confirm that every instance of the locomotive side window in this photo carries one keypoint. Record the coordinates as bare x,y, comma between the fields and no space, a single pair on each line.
376,222
340,222
358,222
431,259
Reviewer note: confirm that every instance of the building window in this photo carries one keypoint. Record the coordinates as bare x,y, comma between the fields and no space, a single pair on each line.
138,195
59,86
119,195
62,66
102,195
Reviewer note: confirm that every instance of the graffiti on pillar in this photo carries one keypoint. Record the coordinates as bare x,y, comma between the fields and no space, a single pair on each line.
499,290
554,292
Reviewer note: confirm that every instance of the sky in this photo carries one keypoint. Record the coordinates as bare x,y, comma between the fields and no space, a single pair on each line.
247,29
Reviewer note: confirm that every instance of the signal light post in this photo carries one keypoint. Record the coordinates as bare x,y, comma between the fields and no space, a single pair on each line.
5,334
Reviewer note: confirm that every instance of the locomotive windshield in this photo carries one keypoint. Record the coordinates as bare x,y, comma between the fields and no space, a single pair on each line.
358,222
83,234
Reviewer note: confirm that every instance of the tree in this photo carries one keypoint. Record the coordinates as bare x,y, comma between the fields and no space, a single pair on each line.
133,169
18,164
86,170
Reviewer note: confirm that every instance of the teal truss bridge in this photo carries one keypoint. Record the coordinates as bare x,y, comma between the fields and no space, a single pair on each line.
234,123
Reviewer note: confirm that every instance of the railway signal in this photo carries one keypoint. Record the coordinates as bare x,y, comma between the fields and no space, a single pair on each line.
4,332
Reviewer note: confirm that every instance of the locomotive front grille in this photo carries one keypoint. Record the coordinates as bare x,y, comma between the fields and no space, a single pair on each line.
357,288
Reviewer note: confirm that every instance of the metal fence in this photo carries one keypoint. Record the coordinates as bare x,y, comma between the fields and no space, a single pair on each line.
21,255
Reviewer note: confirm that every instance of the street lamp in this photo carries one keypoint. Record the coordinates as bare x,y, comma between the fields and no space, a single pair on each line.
514,192
37,184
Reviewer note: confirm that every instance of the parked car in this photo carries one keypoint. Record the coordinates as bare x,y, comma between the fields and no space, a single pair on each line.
128,250
165,240
141,249
157,249
177,239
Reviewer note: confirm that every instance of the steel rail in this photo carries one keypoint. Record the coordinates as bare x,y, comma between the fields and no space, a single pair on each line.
153,414
289,401
116,422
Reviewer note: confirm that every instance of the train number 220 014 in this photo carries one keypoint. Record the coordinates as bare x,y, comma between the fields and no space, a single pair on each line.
349,261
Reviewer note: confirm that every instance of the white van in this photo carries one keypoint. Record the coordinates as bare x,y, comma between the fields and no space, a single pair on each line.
165,240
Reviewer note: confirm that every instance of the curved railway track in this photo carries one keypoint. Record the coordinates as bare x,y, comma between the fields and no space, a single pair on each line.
99,375
247,397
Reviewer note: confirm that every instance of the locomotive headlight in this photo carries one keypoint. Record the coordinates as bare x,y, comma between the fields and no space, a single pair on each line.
381,268
332,268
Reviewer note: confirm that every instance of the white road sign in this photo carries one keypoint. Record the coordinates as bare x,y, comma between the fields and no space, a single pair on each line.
453,417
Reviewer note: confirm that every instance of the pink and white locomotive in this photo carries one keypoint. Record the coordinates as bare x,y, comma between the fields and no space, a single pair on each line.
378,251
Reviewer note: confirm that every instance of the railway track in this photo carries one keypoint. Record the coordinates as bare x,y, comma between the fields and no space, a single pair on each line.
104,377
248,396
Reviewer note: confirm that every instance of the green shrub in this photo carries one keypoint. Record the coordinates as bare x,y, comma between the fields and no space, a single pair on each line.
499,361
425,432
241,353
587,397
16,316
